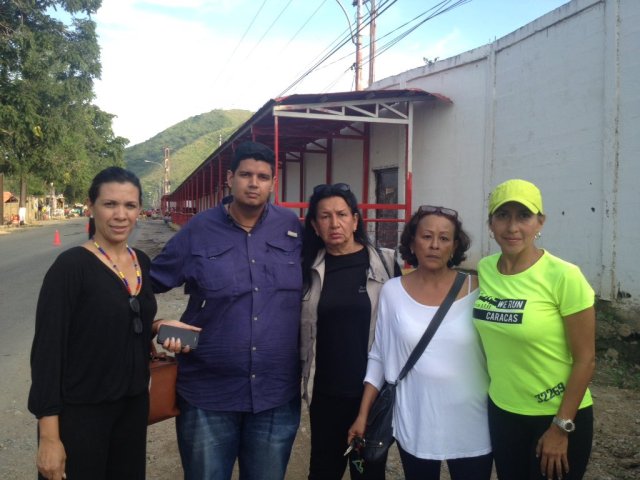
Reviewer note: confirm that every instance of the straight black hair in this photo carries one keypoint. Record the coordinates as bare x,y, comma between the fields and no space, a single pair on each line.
109,175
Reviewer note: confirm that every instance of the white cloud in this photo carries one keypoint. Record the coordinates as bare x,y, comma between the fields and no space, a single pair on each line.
166,60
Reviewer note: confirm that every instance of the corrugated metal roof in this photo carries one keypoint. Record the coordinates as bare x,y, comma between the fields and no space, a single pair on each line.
318,116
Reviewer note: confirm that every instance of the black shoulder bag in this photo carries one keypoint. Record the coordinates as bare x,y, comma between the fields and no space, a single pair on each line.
378,435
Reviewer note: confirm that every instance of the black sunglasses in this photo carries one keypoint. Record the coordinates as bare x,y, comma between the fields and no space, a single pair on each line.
329,188
447,212
135,308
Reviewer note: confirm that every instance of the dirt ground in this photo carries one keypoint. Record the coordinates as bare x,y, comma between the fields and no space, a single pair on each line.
616,392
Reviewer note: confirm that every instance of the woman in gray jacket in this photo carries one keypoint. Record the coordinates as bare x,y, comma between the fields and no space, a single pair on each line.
343,274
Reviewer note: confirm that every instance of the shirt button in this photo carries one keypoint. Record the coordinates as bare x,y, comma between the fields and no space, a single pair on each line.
255,318
253,260
249,234
256,289
253,375
253,348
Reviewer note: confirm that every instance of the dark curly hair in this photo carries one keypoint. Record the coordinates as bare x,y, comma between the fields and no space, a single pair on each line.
312,243
409,234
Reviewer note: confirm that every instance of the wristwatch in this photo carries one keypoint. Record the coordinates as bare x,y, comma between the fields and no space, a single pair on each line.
565,424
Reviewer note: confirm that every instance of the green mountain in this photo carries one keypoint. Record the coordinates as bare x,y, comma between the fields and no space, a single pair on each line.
190,142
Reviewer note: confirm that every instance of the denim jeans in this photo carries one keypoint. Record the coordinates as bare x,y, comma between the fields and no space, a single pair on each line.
210,442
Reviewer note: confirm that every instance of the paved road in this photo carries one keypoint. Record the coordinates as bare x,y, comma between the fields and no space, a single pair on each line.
25,256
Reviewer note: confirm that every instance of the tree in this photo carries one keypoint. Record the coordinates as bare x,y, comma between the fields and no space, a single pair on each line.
48,127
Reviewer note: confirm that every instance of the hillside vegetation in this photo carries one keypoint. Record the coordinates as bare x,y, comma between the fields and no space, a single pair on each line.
190,142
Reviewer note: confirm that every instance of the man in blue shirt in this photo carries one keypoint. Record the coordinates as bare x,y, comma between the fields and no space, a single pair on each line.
239,391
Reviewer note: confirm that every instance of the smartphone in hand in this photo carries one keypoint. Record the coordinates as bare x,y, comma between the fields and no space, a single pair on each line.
188,338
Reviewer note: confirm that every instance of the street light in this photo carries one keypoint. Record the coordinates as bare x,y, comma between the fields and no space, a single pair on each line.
165,185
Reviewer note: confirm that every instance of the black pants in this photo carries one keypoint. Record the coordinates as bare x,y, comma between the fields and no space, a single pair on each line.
471,468
330,419
514,438
106,441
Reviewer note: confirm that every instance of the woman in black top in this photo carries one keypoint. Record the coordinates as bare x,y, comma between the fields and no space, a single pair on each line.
343,275
90,353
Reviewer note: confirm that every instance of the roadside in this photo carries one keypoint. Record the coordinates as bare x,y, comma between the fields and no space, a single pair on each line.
615,388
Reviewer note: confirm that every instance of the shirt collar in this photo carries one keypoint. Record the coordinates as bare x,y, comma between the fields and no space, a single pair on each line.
226,203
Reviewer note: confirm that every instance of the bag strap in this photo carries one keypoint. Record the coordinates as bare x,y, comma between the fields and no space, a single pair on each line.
384,264
433,326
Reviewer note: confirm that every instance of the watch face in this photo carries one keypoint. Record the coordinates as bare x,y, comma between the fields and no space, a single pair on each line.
566,425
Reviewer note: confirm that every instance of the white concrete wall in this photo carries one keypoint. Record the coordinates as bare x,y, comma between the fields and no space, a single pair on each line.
626,153
314,172
556,102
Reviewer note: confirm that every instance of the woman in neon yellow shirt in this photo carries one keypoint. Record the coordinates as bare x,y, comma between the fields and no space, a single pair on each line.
536,319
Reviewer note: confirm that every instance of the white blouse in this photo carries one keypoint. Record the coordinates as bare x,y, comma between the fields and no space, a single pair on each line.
441,405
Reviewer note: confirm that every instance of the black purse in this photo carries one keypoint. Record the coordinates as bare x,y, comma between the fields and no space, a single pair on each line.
378,436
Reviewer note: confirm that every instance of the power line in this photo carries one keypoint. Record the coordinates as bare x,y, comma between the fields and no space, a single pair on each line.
442,8
439,9
268,29
305,23
223,69
332,50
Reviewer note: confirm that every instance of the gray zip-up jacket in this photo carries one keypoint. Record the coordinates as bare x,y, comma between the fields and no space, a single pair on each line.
376,276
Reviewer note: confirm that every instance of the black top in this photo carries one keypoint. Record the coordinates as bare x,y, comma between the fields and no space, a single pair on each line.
84,349
344,315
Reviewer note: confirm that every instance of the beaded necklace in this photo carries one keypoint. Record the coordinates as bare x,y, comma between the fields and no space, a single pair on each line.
120,274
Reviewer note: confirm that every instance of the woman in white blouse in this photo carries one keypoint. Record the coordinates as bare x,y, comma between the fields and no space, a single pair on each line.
441,405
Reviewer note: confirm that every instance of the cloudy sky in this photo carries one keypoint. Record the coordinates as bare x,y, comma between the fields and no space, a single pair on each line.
166,60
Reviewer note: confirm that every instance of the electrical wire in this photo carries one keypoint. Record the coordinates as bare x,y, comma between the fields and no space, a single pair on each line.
439,9
224,68
341,43
442,8
267,30
304,24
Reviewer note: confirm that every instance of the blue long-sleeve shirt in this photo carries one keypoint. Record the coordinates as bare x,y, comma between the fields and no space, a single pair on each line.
245,293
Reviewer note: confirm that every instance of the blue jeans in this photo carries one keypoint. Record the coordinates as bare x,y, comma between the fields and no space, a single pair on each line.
210,442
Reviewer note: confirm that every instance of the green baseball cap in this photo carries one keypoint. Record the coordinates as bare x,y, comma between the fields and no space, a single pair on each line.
516,190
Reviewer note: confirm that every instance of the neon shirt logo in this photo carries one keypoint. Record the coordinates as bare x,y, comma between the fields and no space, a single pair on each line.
498,310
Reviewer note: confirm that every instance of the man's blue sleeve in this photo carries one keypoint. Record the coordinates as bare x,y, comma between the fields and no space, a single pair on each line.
168,268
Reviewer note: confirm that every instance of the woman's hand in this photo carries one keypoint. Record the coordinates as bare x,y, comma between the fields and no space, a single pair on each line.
360,424
552,445
357,429
171,344
51,457
552,452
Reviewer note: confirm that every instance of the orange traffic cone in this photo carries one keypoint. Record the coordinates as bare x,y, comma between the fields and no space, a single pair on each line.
56,239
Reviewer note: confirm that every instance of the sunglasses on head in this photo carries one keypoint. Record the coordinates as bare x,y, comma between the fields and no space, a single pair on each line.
447,212
135,308
329,188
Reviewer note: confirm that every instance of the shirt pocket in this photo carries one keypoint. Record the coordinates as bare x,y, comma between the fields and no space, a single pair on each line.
214,269
285,269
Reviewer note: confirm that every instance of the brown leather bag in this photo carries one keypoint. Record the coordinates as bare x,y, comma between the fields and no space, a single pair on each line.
162,386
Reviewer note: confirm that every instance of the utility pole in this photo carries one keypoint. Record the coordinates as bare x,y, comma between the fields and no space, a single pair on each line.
358,67
372,42
167,182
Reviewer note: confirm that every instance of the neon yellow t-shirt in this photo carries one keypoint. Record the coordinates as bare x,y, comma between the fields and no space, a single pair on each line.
519,318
